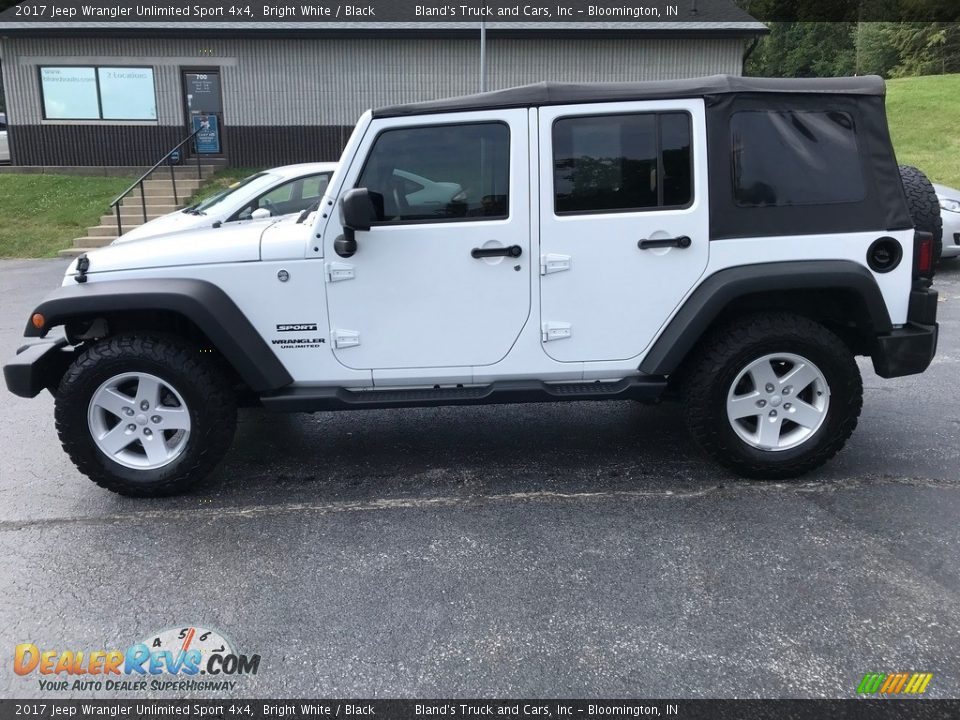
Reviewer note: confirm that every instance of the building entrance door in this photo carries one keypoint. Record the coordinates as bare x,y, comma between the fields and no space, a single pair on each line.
203,109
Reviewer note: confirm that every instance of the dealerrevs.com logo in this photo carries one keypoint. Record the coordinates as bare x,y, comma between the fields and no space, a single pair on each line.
178,659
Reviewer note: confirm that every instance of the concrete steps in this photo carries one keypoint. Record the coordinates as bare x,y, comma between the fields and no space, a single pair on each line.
160,198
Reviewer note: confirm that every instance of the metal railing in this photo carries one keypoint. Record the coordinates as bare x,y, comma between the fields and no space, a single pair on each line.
139,183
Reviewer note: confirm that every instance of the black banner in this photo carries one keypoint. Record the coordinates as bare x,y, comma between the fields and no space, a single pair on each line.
341,15
302,709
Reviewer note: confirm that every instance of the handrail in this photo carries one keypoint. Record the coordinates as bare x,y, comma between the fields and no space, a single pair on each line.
139,183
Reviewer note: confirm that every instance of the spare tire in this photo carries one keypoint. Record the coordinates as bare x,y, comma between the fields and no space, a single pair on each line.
923,205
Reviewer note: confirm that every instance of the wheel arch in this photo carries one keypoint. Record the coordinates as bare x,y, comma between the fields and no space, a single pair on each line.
840,293
196,303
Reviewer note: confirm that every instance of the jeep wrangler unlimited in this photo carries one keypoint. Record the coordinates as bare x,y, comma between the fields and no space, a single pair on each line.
730,242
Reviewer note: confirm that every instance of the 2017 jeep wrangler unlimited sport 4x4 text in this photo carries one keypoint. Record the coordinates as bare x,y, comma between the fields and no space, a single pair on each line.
731,242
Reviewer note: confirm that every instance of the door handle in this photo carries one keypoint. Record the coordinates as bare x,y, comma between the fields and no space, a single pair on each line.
678,242
513,251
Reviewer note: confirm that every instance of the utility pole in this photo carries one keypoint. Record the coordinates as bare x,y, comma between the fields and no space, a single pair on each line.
483,56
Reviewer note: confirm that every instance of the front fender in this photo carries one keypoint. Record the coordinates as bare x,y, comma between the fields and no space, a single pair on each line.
203,303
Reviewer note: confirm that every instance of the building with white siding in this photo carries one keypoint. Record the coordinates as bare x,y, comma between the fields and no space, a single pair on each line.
116,94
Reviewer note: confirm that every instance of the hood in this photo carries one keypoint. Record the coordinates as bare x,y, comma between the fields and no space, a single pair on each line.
171,222
198,247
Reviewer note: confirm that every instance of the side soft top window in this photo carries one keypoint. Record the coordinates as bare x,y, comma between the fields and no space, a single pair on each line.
782,158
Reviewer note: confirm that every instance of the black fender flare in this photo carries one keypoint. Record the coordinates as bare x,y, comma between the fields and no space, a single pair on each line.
717,291
201,302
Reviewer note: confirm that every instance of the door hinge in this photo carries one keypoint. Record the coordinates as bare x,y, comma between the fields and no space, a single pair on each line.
345,338
555,331
337,271
553,263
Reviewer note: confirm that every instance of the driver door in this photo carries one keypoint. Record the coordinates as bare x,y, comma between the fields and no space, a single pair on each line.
415,294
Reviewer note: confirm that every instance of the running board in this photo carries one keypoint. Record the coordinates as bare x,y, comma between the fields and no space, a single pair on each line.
310,399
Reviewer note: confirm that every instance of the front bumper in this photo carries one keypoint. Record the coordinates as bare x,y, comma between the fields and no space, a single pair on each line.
37,366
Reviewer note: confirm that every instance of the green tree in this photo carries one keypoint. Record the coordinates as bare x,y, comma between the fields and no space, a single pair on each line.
875,52
805,49
925,48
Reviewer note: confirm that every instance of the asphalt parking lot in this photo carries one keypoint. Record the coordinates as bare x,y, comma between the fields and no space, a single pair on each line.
546,550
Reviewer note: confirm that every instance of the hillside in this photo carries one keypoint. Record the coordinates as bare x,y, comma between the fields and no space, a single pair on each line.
924,117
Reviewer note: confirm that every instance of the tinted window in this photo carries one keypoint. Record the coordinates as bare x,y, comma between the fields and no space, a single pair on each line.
444,172
621,162
795,158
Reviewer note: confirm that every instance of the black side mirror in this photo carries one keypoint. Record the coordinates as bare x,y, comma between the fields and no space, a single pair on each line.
357,212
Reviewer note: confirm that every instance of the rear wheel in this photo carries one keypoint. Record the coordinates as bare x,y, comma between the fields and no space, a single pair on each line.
144,416
773,395
923,205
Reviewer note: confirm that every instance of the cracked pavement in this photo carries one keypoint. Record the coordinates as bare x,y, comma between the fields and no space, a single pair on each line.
570,550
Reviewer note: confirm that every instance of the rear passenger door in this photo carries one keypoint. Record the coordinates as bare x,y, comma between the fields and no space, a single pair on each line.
623,223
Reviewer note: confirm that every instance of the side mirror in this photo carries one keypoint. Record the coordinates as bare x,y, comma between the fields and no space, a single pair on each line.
357,212
260,214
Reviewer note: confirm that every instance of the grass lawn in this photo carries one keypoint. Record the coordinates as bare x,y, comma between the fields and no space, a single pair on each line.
44,213
924,117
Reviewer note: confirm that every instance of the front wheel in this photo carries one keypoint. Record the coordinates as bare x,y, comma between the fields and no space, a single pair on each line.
773,396
144,416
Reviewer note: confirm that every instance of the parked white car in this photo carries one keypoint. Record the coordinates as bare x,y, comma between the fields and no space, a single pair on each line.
950,214
261,198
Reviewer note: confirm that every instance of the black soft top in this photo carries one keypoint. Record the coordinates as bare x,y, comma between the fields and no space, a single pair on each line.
551,93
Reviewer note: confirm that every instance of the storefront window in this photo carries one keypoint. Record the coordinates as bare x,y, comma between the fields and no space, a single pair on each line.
104,93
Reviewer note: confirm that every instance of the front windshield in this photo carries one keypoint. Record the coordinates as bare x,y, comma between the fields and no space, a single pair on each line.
252,184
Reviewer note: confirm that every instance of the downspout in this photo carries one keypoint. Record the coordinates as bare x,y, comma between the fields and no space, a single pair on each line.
748,53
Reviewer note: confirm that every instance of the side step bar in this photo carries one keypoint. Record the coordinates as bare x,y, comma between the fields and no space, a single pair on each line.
310,399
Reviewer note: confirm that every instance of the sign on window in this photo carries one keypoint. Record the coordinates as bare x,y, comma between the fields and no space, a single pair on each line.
127,93
70,93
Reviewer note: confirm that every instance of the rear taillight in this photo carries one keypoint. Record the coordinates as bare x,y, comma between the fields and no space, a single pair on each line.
923,255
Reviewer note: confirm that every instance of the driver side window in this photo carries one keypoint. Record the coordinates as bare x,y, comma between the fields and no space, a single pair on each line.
439,173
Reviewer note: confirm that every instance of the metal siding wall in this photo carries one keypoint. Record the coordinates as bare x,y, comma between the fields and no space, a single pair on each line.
519,62
299,96
330,82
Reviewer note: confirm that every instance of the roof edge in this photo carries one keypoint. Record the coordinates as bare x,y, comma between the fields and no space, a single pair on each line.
548,93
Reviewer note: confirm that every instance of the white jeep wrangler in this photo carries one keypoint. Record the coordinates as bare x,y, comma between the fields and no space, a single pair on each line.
727,241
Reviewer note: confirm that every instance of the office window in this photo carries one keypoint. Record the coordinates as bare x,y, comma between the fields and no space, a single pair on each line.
70,93
103,93
127,93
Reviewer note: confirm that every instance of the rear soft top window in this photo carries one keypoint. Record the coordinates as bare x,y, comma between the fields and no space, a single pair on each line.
783,158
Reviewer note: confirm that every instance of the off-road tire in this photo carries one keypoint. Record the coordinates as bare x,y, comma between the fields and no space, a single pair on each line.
210,401
726,351
923,205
